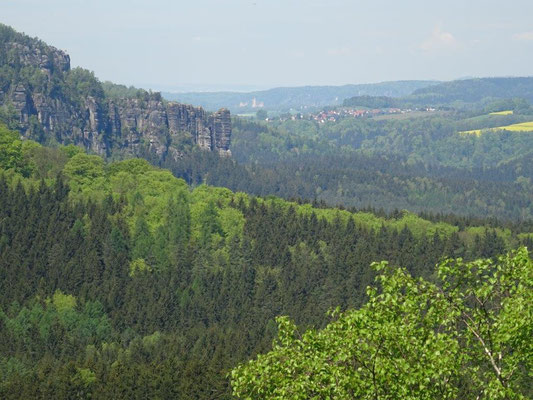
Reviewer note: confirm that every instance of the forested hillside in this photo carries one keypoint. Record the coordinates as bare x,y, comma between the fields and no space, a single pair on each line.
121,281
419,163
474,90
463,92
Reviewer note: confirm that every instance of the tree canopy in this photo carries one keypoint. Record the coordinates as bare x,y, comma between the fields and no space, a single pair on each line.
468,336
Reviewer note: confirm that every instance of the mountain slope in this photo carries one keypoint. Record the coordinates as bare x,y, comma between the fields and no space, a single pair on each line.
50,102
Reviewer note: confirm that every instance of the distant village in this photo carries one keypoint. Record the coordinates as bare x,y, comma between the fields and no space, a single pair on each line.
337,114
328,114
334,115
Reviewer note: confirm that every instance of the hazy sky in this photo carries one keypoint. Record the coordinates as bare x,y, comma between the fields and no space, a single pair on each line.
224,44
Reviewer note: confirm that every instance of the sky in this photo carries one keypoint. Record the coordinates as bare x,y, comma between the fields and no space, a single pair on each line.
200,45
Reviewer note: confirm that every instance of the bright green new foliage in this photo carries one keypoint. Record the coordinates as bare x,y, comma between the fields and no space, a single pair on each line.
468,337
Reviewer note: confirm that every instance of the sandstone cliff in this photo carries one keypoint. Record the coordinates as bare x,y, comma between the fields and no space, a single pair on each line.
53,103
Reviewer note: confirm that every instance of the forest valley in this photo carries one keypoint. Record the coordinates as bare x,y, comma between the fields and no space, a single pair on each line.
430,163
120,280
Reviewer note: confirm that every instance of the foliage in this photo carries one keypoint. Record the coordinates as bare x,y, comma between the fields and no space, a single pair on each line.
14,152
10,149
82,84
468,337
55,324
119,280
85,173
115,91
139,265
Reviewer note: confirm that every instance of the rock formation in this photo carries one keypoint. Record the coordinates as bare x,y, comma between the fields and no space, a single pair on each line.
46,98
156,123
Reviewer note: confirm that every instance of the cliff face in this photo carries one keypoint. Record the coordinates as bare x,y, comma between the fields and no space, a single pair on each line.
54,103
161,125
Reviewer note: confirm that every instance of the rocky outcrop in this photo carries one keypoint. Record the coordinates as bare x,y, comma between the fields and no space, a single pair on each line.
158,125
220,123
51,100
47,58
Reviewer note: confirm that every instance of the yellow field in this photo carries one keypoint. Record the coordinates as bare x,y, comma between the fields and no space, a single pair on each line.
506,112
522,127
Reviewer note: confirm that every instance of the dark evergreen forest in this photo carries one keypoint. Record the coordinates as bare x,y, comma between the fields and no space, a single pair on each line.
120,281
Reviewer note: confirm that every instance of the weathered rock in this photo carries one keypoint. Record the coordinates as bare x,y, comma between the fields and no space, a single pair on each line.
47,58
21,102
127,126
221,128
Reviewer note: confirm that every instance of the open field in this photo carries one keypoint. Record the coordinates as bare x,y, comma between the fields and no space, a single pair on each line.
506,112
522,127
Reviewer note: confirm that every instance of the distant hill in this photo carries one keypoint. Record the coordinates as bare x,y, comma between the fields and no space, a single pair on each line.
474,90
468,91
300,98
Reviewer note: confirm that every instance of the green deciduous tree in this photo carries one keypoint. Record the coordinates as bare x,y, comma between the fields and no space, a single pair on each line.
469,337
85,173
11,156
